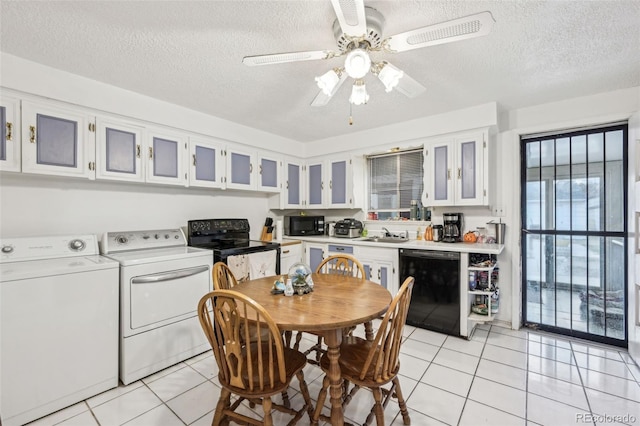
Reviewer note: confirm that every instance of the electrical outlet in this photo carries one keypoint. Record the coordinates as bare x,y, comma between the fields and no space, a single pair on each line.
499,211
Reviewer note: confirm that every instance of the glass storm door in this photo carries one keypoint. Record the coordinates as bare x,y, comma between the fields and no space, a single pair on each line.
574,203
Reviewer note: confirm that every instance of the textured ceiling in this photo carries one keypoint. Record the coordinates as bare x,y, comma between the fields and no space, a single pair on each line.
190,53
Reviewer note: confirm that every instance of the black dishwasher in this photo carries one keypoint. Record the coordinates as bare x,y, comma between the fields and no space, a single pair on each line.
435,301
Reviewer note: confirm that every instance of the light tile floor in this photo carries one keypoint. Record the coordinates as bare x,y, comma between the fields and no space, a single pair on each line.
499,377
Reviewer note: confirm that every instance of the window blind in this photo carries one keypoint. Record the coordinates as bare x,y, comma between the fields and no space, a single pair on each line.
395,180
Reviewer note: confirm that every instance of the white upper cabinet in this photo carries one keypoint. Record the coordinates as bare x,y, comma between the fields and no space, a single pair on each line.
293,191
57,140
333,182
315,174
119,150
269,173
456,170
340,176
9,134
166,155
240,169
206,162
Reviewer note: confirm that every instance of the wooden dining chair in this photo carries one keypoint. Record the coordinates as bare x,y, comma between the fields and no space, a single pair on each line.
374,364
223,278
341,264
338,264
254,371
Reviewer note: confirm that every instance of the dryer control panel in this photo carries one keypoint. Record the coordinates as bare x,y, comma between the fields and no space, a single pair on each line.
113,242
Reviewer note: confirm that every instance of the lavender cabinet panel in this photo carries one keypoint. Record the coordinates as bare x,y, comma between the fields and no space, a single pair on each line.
121,150
165,158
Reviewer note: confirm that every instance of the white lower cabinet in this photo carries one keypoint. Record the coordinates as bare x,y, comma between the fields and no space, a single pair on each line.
380,266
314,253
290,254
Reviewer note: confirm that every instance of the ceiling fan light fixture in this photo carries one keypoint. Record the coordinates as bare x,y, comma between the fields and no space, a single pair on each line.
359,95
328,81
390,76
357,64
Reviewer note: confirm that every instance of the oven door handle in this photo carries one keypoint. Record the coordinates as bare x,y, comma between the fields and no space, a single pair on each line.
169,275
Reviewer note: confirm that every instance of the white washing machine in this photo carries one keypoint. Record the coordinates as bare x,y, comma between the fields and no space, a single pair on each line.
161,283
58,324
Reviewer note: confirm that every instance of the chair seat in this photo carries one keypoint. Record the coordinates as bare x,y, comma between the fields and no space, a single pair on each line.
353,354
294,362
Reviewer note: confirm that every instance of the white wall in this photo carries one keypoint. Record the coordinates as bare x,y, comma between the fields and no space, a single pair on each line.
42,205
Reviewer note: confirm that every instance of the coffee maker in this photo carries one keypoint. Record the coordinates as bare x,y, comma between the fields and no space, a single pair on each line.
452,232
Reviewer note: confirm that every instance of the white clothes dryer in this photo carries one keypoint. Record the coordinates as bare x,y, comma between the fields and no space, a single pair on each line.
161,283
58,324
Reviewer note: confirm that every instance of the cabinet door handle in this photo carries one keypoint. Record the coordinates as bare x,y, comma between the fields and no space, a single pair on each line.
32,134
138,151
321,185
330,184
260,168
250,168
459,173
150,152
287,184
285,251
449,174
379,276
194,159
9,131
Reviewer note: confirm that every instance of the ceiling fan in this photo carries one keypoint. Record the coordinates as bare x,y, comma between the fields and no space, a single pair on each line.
358,31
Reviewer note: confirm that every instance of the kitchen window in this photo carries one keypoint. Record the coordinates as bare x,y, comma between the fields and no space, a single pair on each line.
394,180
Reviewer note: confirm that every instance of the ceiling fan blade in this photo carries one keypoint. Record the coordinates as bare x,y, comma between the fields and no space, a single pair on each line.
409,87
321,99
280,58
351,16
470,26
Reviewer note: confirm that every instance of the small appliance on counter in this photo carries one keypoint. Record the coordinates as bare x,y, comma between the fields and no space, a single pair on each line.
300,226
348,228
330,228
451,232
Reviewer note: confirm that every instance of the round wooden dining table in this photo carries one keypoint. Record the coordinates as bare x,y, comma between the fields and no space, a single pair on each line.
336,302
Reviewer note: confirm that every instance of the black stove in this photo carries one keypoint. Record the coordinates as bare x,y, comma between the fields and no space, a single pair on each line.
227,237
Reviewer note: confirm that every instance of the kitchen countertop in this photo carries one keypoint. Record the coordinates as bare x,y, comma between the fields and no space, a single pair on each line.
409,244
288,242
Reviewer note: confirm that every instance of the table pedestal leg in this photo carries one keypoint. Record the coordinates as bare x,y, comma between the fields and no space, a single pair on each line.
333,339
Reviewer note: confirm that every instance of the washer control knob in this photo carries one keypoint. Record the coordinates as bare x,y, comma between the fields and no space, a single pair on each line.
7,249
176,237
156,236
121,239
166,236
77,245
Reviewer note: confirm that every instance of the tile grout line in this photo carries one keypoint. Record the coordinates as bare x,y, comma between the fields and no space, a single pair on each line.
584,389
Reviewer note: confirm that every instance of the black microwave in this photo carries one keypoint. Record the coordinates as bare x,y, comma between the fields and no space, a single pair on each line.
299,226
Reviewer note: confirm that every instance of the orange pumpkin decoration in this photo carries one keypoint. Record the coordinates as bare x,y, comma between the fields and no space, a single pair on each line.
470,237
